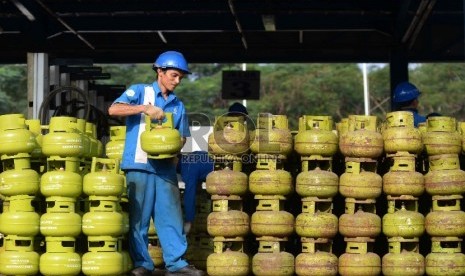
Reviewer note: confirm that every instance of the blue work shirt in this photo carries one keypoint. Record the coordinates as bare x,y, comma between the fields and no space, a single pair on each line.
143,94
194,168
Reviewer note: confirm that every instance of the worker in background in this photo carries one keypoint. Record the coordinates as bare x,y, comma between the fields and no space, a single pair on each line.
405,98
153,190
194,167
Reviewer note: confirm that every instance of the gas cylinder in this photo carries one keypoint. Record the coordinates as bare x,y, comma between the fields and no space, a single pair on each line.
403,258
442,136
226,182
104,179
446,257
95,145
358,183
446,218
342,127
155,251
318,263
402,179
359,224
86,143
363,140
36,129
19,257
115,147
317,183
229,137
102,263
61,183
161,140
60,219
272,135
60,258
228,224
270,182
20,219
103,218
15,136
270,260
357,261
445,176
400,135
64,138
316,219
228,263
272,223
315,136
23,181
403,223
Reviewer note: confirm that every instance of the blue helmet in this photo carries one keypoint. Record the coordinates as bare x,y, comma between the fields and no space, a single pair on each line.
405,91
171,59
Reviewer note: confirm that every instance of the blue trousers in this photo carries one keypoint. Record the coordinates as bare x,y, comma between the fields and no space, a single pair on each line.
150,195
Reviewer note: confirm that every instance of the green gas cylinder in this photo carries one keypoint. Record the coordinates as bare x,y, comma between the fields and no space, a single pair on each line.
267,179
19,181
229,137
402,222
400,135
63,138
271,260
403,258
19,257
446,257
442,136
359,224
358,261
446,218
103,218
36,128
362,140
115,147
445,176
60,182
402,179
20,219
270,219
226,222
316,219
60,219
272,135
60,258
161,140
102,263
228,263
104,179
226,182
316,258
356,182
15,137
95,145
316,183
316,136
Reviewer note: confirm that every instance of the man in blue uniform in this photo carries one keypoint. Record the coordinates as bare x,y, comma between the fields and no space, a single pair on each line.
405,98
152,183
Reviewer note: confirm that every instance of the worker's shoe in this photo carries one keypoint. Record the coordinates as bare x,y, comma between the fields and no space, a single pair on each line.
187,270
158,272
140,271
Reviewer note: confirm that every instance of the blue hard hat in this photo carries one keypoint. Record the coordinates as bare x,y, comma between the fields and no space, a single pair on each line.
405,91
171,59
237,108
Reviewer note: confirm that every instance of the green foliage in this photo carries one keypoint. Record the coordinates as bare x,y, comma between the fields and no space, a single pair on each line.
13,89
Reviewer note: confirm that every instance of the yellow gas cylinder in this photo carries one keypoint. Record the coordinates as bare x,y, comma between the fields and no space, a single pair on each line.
271,261
60,258
115,147
362,140
269,218
359,223
403,222
445,176
102,258
461,128
357,261
402,179
161,140
316,136
228,258
316,258
19,257
446,218
95,145
403,258
21,218
316,181
229,137
104,178
86,141
226,182
316,219
20,180
224,222
272,135
441,136
35,127
269,178
446,257
127,262
62,178
15,137
103,218
400,135
155,251
60,219
360,183
63,138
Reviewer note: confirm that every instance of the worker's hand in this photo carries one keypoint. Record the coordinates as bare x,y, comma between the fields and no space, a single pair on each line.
154,112
187,227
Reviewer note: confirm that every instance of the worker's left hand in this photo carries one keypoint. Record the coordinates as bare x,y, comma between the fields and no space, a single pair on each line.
187,227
